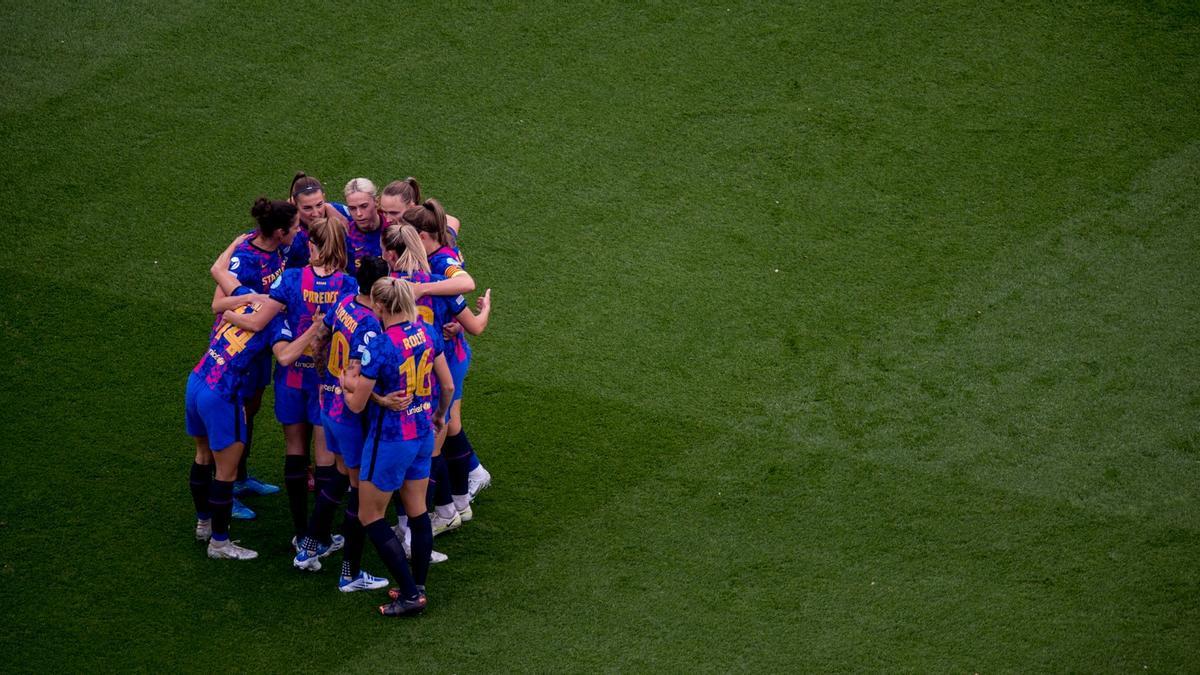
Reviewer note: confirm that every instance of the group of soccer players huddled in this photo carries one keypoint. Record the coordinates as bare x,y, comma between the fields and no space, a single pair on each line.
361,304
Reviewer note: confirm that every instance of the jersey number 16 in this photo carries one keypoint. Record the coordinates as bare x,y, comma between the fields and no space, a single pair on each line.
416,375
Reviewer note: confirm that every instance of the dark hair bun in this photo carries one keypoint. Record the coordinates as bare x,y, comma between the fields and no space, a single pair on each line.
262,207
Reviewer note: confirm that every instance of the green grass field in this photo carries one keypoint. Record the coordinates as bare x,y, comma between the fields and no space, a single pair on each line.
837,336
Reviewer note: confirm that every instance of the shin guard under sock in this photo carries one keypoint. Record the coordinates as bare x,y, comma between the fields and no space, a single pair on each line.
220,502
329,497
322,475
200,482
422,546
472,458
295,479
439,479
392,554
457,451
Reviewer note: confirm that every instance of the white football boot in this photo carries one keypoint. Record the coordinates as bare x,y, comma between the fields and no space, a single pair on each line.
229,550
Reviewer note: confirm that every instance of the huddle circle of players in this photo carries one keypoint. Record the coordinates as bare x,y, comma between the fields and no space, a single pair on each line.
361,304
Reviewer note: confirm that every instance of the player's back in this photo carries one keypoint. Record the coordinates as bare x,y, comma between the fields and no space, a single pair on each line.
409,352
305,293
352,328
232,350
256,268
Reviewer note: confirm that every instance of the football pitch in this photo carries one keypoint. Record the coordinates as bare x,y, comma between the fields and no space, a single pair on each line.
836,336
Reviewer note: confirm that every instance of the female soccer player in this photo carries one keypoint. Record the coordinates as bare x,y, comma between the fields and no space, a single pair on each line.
429,219
366,226
256,262
405,253
216,418
304,292
398,444
397,197
352,325
400,195
308,195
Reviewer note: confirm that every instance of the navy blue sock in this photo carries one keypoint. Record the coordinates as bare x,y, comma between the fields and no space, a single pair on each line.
329,497
295,479
322,475
439,483
472,458
391,551
200,482
422,546
220,503
457,451
352,530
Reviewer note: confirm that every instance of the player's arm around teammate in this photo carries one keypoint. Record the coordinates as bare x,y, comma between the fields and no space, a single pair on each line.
406,255
467,474
352,325
256,258
398,444
315,288
255,261
223,299
215,417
